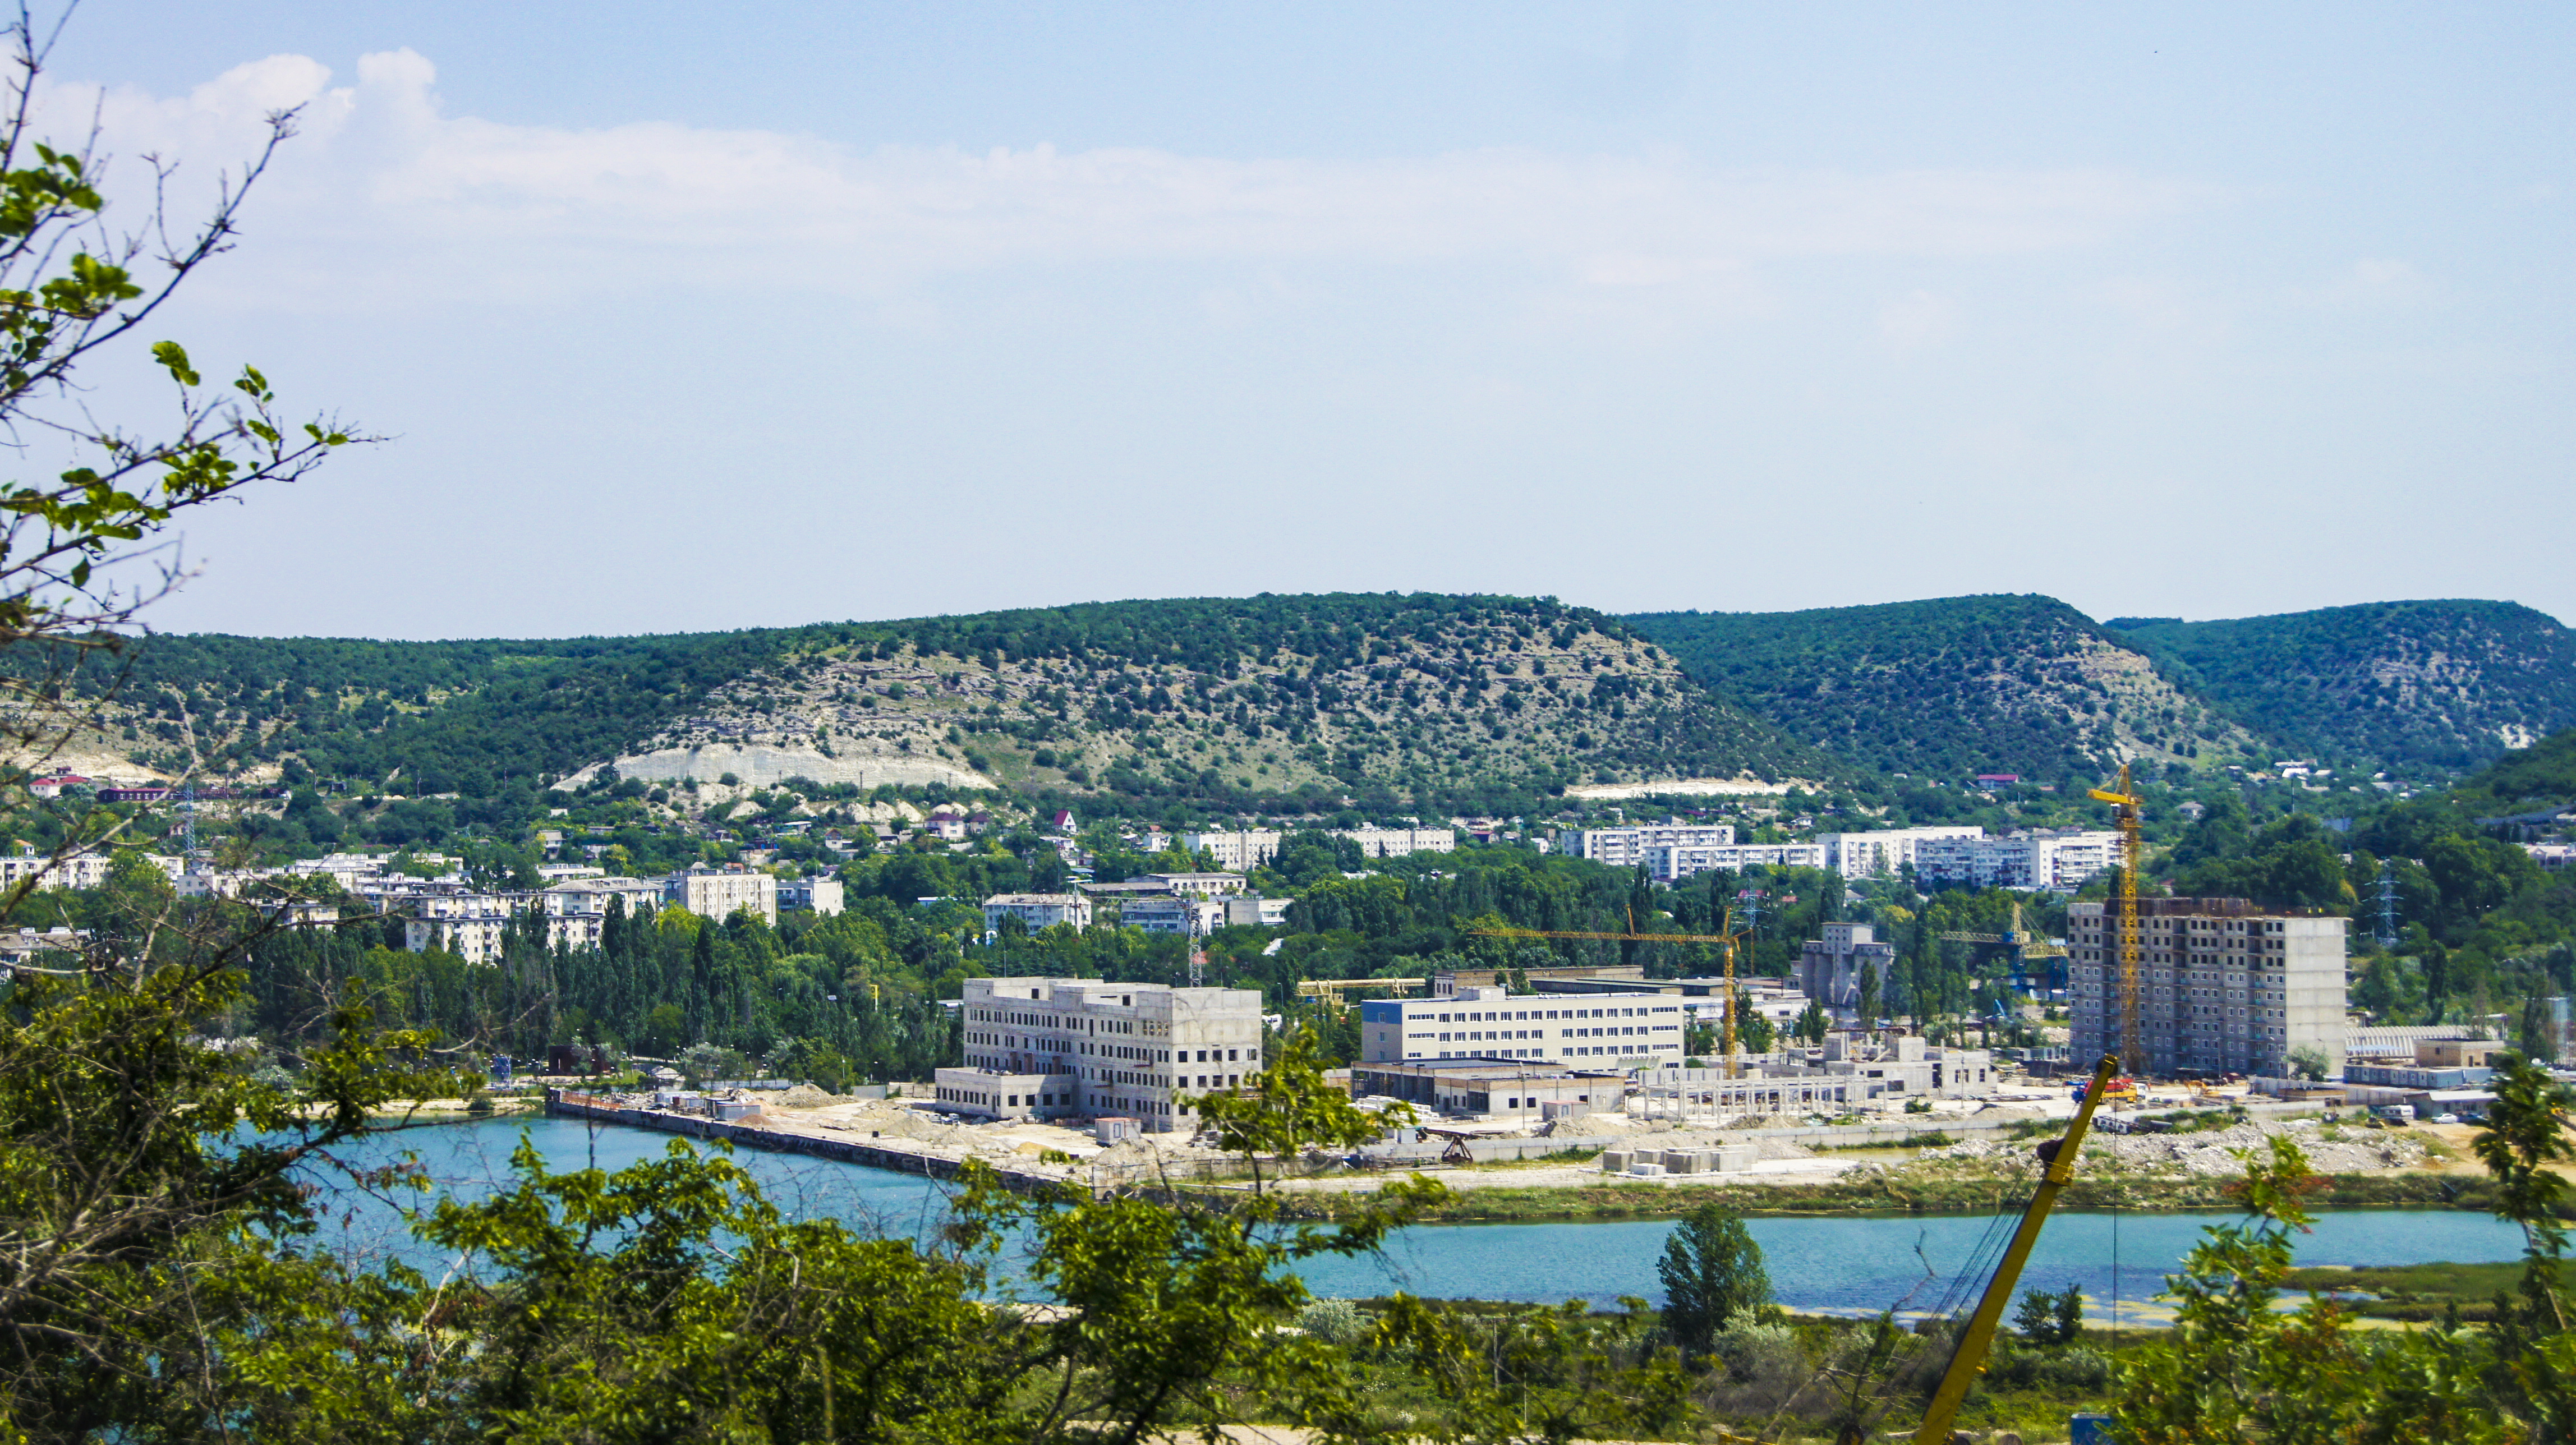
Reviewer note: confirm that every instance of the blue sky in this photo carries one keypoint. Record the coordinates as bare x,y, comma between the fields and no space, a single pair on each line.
692,318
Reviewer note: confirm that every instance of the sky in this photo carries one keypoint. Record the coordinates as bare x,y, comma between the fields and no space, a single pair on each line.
677,319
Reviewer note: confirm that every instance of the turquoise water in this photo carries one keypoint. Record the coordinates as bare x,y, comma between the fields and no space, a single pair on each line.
1839,1264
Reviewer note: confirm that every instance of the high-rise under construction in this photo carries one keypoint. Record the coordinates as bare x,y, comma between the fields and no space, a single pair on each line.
2224,987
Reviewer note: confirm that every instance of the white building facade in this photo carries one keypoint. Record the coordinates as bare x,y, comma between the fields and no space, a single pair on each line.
2062,861
1621,1030
1240,851
1397,842
1888,851
1035,911
1672,862
1082,1047
1626,847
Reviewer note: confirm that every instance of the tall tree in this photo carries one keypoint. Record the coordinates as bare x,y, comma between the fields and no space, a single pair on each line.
1712,1273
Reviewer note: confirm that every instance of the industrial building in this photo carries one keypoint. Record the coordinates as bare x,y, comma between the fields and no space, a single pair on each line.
2223,987
1829,968
1616,1030
1493,1088
1850,1071
1052,1048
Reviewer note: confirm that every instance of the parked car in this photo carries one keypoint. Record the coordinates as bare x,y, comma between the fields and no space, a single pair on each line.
2446,1118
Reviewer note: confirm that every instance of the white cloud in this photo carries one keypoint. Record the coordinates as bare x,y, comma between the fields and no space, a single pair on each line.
385,188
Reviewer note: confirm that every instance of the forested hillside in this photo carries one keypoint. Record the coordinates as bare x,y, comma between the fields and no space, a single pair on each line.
1950,687
2411,686
1271,703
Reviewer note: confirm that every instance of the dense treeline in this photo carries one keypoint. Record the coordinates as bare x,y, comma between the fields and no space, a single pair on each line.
2409,686
1945,688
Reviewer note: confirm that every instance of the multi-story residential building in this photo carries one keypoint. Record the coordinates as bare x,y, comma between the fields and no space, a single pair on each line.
1626,847
1620,1030
1035,911
1829,968
79,870
1672,862
1886,852
1240,851
2061,860
2224,987
1251,910
1060,1047
1397,842
1191,915
823,897
1194,885
709,893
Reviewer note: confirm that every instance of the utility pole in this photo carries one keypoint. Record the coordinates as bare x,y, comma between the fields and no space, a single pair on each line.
2387,900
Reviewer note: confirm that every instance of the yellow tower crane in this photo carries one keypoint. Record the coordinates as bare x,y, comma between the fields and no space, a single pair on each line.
2125,805
1730,933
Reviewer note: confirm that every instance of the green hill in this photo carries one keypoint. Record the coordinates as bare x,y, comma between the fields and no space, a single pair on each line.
2410,686
1274,704
1950,687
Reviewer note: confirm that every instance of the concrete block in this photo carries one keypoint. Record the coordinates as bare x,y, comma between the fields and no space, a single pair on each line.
1735,1158
1643,1170
1614,1161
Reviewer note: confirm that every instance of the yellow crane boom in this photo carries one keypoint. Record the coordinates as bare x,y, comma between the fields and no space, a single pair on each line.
1969,1360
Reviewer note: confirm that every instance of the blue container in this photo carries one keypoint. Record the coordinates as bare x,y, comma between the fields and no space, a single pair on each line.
500,1068
2088,1429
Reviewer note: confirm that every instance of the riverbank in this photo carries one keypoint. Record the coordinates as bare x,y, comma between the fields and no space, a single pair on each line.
1893,1193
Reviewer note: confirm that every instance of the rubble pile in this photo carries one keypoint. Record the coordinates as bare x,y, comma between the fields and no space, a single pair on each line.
2214,1153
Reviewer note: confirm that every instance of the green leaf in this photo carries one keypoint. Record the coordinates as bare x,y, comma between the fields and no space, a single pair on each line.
174,356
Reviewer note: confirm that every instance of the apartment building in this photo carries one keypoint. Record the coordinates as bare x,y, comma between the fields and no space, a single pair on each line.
1397,842
1888,851
2224,987
1240,851
1080,1047
1190,916
1620,1030
1626,847
1672,862
823,897
1035,911
2062,860
712,894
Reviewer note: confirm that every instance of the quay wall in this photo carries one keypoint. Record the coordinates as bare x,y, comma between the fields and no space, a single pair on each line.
875,1155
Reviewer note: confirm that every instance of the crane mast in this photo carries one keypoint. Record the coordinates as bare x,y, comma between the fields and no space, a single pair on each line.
2125,804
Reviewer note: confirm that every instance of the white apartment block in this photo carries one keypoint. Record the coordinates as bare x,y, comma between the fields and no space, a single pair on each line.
1035,911
1602,1030
710,894
1886,852
80,870
1672,862
476,936
1397,842
824,897
2222,986
1626,847
1240,851
1065,1047
1192,916
2062,860
1202,885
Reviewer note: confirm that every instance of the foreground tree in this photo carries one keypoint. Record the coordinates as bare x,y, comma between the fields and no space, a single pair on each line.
1712,1273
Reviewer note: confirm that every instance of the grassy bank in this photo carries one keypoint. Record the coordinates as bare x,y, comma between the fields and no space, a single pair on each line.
1897,1194
2418,1293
